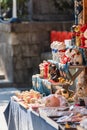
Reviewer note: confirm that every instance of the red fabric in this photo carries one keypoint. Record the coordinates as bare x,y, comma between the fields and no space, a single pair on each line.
53,36
64,36
70,35
60,36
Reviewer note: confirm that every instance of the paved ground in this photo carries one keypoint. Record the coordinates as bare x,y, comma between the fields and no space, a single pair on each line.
5,94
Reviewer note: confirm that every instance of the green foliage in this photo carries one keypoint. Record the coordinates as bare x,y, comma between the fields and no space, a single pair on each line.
6,3
22,9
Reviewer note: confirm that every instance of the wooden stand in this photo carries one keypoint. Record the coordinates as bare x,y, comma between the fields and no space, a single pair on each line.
84,11
78,71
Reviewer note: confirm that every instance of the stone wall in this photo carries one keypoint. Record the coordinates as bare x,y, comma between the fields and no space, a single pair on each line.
51,10
24,43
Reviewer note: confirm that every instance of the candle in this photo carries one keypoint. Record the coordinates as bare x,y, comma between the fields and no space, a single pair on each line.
14,9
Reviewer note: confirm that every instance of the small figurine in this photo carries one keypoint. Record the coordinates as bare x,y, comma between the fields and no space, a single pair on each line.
74,56
66,92
54,72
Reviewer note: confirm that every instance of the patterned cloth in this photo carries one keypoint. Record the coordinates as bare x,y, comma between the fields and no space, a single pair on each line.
41,85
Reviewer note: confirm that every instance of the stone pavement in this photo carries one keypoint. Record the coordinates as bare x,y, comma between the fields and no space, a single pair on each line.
5,94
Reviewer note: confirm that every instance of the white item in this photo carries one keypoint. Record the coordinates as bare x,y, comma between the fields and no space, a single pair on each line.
68,43
14,15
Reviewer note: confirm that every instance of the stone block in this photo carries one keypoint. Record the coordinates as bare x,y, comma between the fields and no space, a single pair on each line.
22,38
46,56
46,46
27,62
17,62
18,76
29,51
36,37
17,50
27,75
36,60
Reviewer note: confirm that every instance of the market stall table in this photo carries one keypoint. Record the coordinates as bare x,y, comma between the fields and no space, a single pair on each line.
19,118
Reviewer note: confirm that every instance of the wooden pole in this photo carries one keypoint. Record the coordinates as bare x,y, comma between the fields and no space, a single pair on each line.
78,7
84,11
14,15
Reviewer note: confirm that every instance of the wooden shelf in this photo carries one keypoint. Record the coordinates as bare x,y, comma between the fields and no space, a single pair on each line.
79,69
77,66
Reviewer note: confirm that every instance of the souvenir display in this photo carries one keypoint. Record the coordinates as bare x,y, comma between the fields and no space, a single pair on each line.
52,94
